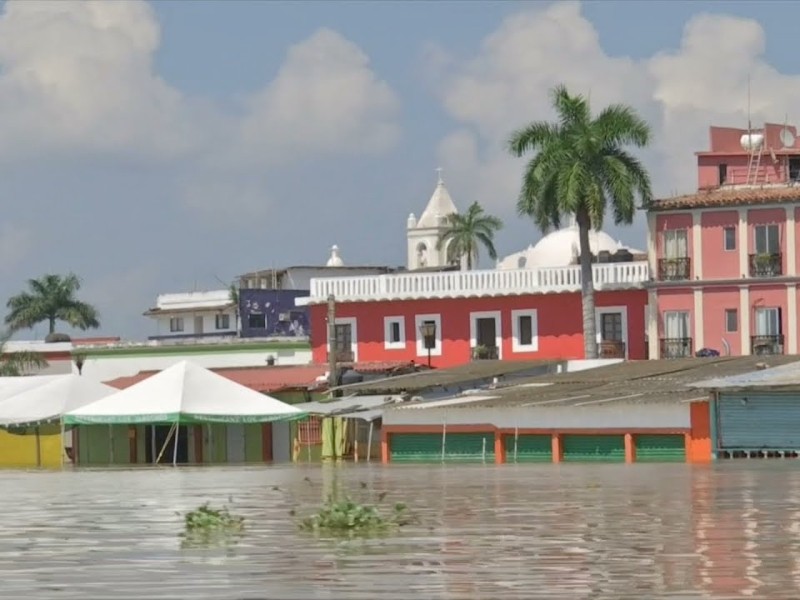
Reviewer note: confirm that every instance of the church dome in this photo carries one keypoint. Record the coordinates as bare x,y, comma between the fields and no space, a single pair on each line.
335,260
559,248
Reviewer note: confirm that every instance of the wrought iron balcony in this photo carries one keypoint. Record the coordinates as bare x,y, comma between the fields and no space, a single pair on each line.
611,349
766,265
766,344
675,347
485,353
674,269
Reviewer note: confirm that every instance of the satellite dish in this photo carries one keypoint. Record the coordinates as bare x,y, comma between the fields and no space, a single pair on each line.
787,138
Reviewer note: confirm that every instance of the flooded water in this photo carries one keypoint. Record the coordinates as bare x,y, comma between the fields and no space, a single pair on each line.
508,532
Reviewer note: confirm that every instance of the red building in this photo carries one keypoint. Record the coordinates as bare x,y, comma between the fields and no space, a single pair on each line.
529,307
725,259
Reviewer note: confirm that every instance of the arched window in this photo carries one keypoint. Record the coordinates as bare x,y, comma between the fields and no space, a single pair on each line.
422,255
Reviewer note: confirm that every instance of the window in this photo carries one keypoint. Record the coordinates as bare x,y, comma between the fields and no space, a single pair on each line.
394,333
309,431
723,174
730,238
767,239
346,331
611,327
257,321
768,321
731,320
794,169
176,324
524,331
484,331
437,321
675,243
222,322
676,324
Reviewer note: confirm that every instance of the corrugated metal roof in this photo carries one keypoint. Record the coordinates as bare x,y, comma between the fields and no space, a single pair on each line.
470,372
343,406
639,382
783,376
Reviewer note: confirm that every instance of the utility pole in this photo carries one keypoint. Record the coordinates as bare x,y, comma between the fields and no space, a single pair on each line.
332,378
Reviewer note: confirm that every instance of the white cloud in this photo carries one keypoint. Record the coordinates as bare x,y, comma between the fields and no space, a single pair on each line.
15,245
325,99
77,79
505,85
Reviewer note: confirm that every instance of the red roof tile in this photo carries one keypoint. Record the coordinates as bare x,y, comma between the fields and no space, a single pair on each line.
730,197
260,379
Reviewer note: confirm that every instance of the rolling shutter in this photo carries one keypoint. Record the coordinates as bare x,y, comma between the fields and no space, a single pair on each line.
660,448
427,447
758,422
594,448
529,448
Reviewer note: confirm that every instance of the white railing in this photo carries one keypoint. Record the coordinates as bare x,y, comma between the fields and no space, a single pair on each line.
453,284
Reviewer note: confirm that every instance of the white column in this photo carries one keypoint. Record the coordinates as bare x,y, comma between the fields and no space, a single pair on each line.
791,262
699,337
652,324
791,321
744,319
652,244
697,244
742,241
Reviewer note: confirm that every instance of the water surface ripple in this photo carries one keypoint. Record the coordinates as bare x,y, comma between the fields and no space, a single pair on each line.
600,532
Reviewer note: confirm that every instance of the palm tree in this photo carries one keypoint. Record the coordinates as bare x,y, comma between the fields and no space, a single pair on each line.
466,232
15,364
51,298
581,168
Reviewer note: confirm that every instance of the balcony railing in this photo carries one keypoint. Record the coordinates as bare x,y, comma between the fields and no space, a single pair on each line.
674,269
460,284
611,349
766,265
766,344
485,353
675,347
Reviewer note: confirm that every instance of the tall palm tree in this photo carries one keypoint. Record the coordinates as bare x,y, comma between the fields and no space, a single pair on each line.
465,233
14,364
51,298
581,168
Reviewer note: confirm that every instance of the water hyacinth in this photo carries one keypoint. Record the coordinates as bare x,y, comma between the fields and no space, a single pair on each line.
207,526
350,518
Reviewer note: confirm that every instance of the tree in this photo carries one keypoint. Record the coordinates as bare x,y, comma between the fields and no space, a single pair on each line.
51,298
233,296
581,168
465,233
15,364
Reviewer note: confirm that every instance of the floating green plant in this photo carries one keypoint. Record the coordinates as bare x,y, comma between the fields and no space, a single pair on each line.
350,518
209,526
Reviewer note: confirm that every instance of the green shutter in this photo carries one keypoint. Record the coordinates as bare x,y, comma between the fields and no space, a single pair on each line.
529,448
427,447
594,448
660,448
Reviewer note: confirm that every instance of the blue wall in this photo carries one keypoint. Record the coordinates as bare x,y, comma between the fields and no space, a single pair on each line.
283,318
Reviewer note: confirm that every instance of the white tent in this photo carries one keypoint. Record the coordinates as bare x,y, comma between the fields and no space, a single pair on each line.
184,393
46,398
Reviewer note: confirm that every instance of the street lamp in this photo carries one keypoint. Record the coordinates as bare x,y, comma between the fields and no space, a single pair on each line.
428,332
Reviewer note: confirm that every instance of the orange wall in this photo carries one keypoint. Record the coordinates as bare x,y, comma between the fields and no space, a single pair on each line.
719,263
715,302
559,317
699,449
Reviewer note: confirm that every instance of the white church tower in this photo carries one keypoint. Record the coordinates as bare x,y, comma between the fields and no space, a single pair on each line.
423,234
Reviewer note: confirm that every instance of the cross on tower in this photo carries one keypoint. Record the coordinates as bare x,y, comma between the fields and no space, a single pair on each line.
439,174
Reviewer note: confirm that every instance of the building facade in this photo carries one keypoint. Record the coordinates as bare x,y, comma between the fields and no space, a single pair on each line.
528,308
725,259
193,315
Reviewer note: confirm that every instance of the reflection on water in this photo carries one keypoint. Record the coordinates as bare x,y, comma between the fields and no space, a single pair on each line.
541,531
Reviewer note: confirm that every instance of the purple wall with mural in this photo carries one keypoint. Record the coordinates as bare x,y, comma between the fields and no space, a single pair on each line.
272,313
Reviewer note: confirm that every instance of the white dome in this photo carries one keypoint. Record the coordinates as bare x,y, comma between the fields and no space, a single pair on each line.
335,260
559,248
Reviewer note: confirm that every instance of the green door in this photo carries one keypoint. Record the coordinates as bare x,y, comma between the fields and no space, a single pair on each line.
427,447
594,448
529,448
660,448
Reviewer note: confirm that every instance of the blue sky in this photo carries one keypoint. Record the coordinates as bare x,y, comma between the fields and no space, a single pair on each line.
165,146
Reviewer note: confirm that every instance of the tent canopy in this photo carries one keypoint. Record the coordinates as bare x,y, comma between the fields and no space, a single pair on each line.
184,393
46,398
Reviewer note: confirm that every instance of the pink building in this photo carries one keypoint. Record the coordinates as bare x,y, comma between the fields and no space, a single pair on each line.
725,260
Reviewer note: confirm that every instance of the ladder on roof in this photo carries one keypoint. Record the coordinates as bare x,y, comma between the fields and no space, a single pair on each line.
754,165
